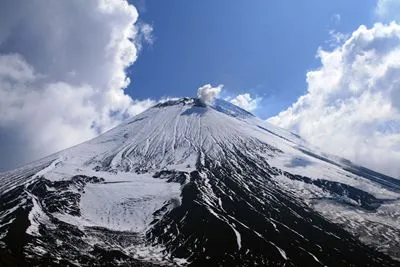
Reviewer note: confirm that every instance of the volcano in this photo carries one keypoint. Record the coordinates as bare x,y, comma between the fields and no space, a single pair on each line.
190,183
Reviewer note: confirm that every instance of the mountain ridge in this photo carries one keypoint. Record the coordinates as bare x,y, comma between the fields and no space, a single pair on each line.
189,183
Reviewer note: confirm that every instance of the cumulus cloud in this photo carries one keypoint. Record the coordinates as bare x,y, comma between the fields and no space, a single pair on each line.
62,73
352,107
208,93
245,101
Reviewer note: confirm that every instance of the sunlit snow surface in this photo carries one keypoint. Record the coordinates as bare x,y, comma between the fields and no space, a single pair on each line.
177,136
126,205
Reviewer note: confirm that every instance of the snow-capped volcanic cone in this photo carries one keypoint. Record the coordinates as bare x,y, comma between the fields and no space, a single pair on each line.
187,183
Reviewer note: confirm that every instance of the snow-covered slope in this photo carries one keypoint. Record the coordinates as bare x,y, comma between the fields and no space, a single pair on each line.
188,183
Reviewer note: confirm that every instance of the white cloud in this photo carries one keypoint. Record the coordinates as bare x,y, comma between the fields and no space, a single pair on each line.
388,9
62,73
147,31
245,101
208,93
144,35
352,107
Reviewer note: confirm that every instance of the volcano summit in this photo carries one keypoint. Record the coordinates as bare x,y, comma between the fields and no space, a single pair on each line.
187,183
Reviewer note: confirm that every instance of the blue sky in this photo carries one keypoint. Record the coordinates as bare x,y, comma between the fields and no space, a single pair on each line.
261,47
64,69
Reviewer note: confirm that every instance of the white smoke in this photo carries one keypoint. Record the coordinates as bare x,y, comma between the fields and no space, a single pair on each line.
207,93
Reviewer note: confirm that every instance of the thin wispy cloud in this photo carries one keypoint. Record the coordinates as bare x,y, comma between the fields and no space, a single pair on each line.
336,18
388,10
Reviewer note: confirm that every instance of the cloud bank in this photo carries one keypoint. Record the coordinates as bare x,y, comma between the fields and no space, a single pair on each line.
62,73
352,107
